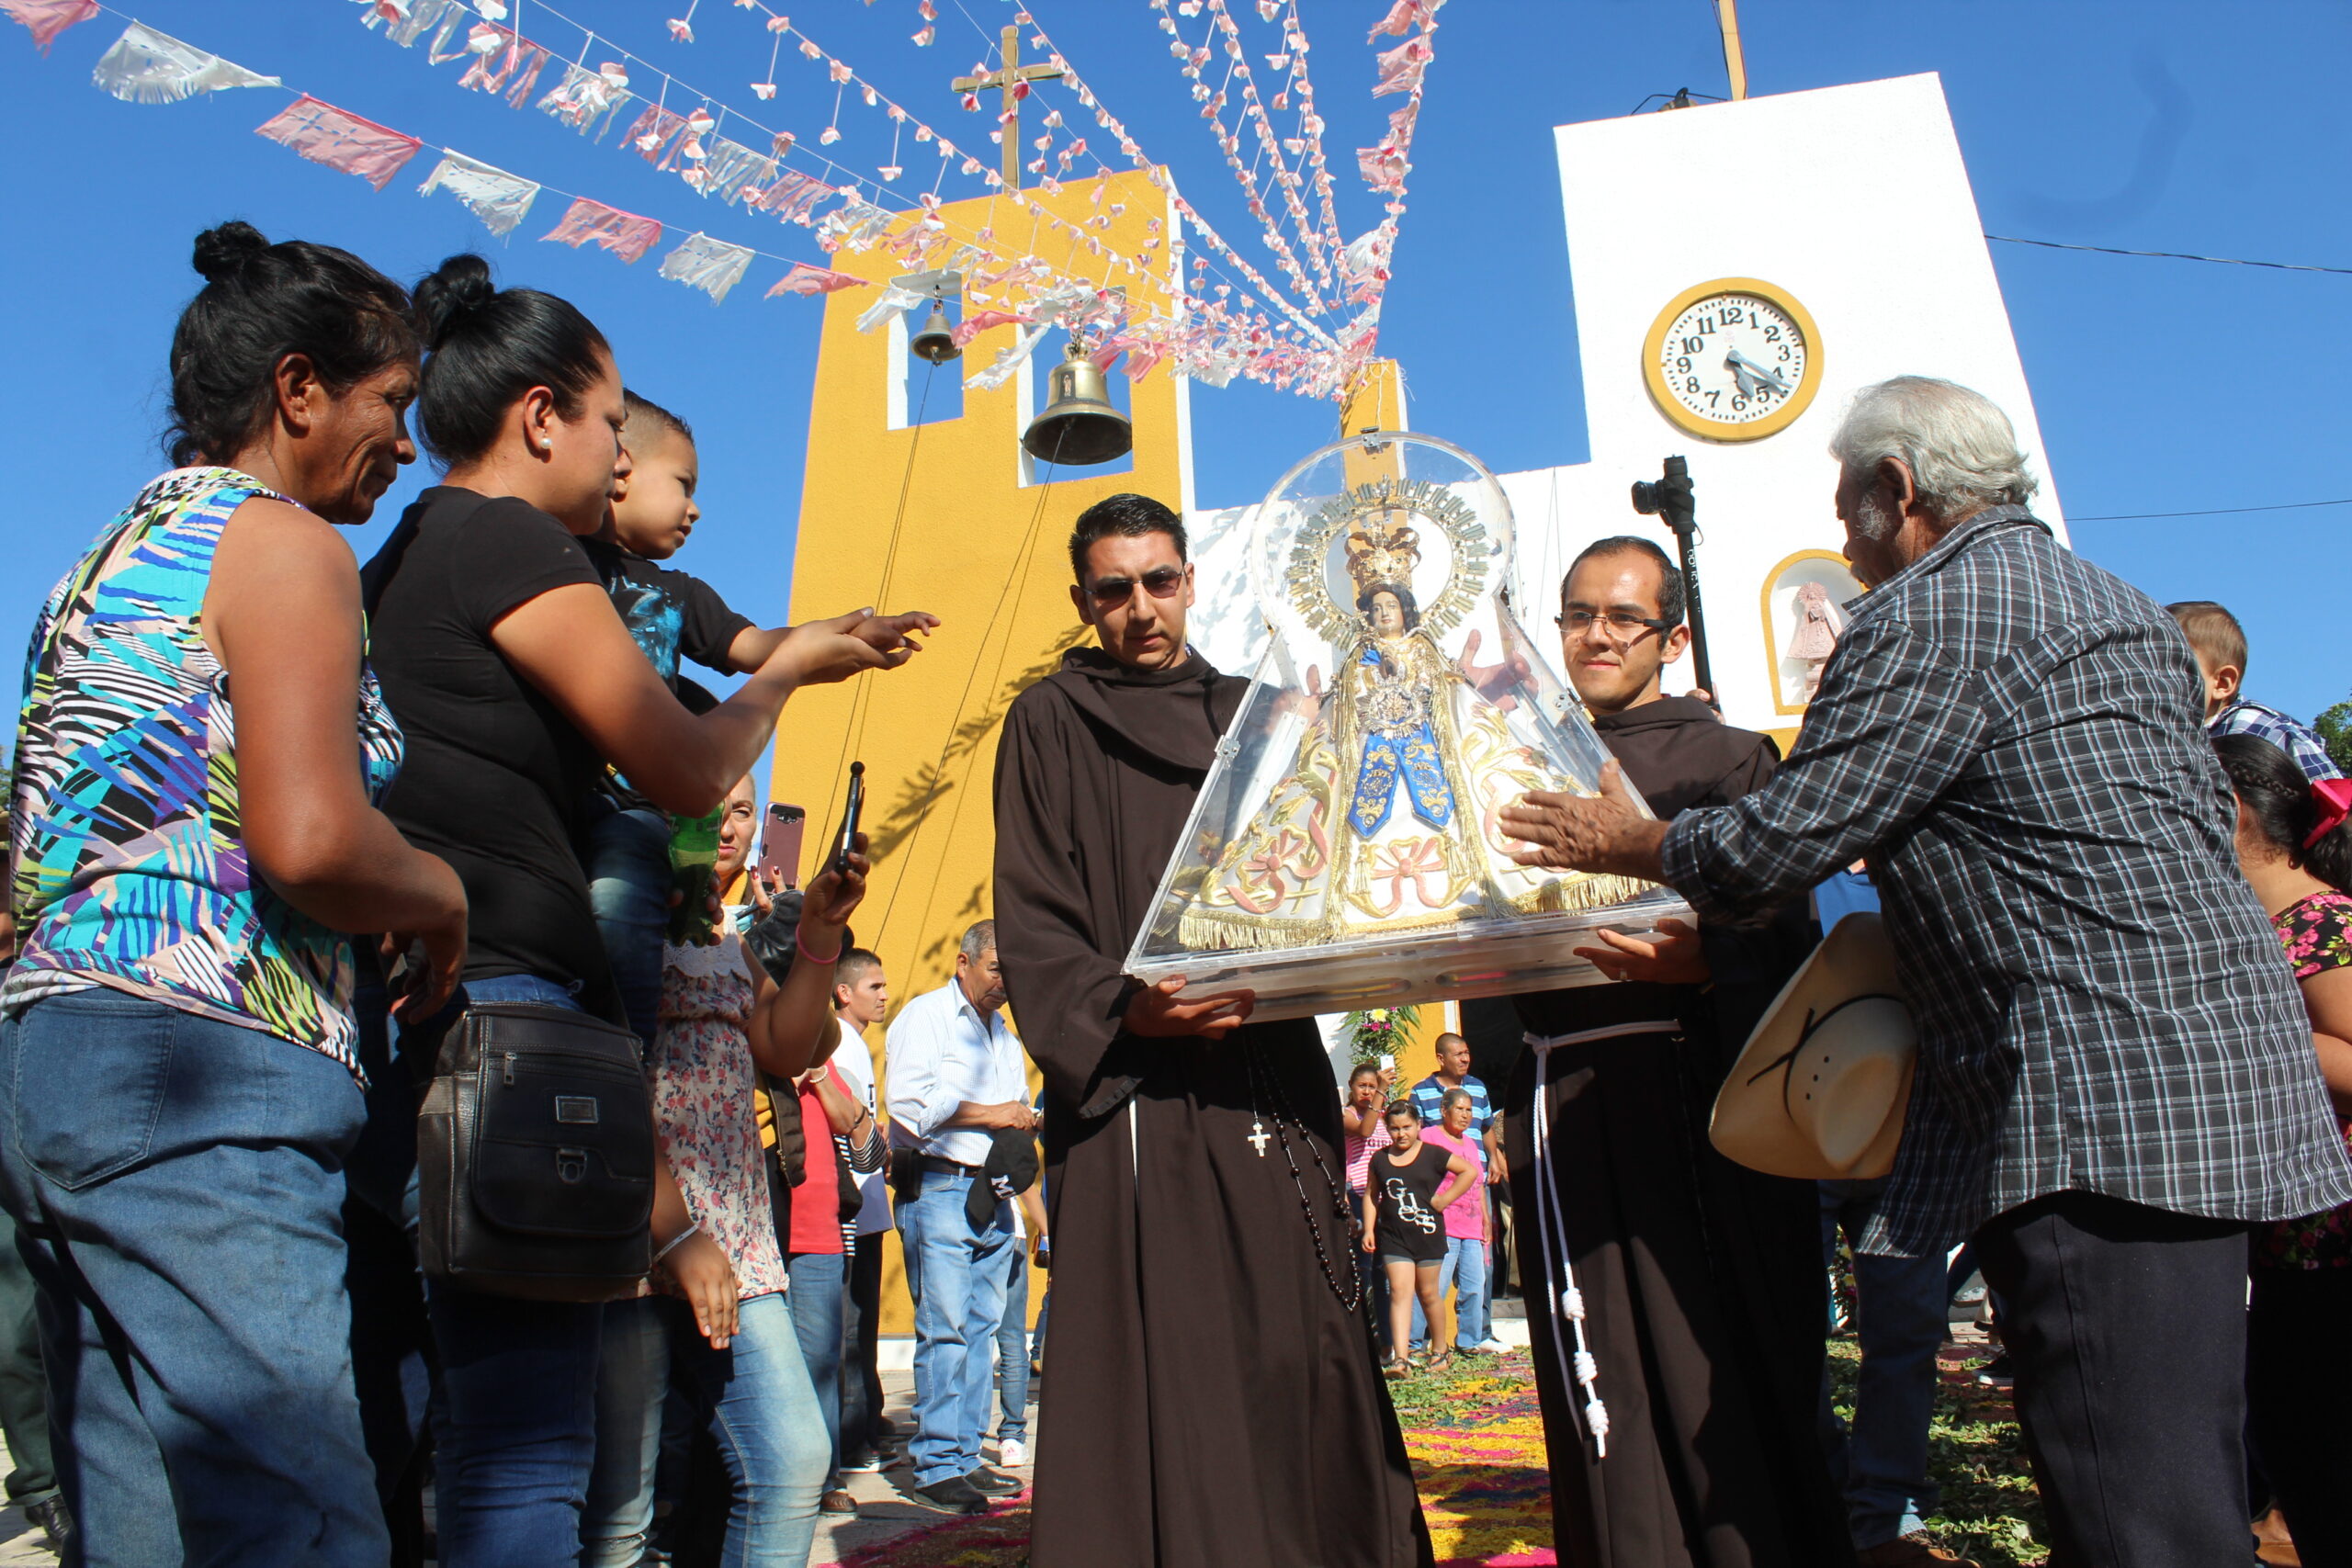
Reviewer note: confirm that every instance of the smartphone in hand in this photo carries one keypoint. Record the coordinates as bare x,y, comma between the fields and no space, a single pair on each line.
856,808
780,845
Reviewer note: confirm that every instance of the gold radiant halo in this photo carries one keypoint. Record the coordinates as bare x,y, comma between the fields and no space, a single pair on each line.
1469,557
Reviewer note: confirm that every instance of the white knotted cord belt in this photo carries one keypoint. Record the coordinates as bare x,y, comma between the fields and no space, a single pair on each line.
1552,1229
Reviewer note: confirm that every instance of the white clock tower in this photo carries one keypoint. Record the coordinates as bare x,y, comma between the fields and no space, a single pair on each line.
1807,244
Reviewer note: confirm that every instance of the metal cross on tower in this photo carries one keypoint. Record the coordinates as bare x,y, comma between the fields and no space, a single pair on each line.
1014,81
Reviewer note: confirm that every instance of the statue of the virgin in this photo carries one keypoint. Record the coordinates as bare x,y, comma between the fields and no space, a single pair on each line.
1386,820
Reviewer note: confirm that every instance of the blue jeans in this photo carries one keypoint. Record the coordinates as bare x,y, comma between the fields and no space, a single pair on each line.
177,1182
1899,1321
818,1279
861,1380
1012,1353
391,1340
959,1281
628,885
763,1413
515,1431
1466,1266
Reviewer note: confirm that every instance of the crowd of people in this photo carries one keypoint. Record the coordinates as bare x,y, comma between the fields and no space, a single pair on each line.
254,945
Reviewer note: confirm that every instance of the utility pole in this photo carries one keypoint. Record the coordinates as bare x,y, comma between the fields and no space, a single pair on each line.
1734,59
1014,81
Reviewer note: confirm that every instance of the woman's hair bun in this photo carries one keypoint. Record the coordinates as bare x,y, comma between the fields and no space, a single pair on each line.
455,289
224,251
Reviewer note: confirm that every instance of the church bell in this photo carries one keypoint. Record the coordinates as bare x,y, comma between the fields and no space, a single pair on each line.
1079,425
935,343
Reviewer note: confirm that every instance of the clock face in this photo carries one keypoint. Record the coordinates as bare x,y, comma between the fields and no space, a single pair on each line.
1733,360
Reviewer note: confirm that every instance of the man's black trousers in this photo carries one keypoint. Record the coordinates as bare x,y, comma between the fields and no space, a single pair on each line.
2126,1327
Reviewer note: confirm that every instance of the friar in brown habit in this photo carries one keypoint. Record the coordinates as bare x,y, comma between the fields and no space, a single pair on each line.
1214,1401
1701,1281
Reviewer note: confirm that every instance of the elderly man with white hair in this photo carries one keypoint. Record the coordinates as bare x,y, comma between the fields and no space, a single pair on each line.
2115,1074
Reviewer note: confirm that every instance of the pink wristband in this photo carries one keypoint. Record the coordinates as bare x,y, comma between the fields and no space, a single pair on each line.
801,941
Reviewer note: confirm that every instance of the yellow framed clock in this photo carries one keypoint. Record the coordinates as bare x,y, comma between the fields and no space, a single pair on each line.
1734,359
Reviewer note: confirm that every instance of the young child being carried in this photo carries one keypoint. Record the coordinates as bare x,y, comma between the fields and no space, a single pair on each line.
673,616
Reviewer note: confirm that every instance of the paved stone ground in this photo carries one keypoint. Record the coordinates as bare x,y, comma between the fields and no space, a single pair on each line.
884,1510
20,1543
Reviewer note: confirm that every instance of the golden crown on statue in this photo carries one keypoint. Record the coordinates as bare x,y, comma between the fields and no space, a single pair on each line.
1382,548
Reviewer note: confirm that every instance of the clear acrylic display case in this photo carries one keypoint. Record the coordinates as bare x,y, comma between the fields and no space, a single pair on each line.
1344,852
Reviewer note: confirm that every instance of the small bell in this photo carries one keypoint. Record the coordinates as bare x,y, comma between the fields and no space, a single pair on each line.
1079,426
935,343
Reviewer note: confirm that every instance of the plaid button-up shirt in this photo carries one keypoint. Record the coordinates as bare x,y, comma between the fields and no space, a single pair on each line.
2016,741
2244,718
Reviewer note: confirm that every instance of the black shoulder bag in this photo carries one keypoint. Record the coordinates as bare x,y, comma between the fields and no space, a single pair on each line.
534,1156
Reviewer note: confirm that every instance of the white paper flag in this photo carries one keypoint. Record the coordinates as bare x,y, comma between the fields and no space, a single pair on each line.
712,266
895,301
148,67
1008,361
500,200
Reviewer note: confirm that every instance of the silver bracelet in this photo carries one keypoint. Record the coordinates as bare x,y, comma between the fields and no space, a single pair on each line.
671,1245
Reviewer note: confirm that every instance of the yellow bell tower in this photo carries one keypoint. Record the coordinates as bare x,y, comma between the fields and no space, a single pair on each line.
951,517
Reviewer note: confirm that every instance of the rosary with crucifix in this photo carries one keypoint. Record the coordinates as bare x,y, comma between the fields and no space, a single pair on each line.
1350,1291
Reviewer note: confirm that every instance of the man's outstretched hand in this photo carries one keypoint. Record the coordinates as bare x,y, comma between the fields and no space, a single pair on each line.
1159,1012
1604,833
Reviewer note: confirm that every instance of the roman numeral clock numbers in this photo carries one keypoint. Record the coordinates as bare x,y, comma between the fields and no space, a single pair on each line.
1735,359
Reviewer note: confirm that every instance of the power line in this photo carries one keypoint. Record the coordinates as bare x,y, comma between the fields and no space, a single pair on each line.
2211,512
2170,256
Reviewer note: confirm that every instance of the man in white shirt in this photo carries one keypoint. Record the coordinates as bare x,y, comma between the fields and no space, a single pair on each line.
861,998
956,1077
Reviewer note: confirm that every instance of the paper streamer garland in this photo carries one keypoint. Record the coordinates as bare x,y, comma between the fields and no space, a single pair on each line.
500,200
712,266
340,140
47,19
587,222
148,67
805,279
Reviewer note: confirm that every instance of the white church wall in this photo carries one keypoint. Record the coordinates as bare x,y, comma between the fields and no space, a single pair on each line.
1853,199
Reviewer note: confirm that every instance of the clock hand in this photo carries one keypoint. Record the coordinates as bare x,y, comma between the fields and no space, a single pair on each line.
1751,376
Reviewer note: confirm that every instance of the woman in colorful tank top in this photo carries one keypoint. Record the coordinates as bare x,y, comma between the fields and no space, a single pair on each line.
177,1069
2296,850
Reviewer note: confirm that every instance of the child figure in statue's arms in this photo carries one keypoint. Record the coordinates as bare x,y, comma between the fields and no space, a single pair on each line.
673,616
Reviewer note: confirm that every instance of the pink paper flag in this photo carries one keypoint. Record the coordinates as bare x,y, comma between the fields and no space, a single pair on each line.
1401,68
979,322
793,197
47,19
1401,17
654,134
325,134
805,279
625,234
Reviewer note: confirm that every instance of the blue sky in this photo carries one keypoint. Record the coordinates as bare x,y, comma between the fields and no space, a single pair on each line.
2162,386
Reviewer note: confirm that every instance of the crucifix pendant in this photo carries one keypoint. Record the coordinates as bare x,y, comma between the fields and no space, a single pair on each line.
1258,1136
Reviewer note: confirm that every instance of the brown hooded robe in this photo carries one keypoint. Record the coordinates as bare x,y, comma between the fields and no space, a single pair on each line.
1213,1404
1702,1280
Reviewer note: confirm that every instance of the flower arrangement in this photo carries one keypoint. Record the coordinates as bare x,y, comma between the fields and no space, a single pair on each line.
1373,1032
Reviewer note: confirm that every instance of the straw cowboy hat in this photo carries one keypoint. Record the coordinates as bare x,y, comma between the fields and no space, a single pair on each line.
1820,1088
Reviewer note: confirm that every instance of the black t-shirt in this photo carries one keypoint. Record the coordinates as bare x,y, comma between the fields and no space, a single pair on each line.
496,780
1408,1225
671,613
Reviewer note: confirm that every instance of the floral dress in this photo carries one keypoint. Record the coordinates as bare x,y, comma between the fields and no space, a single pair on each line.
2317,934
702,1079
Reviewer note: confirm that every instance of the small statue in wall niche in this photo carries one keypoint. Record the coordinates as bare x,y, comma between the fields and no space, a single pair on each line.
1819,620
